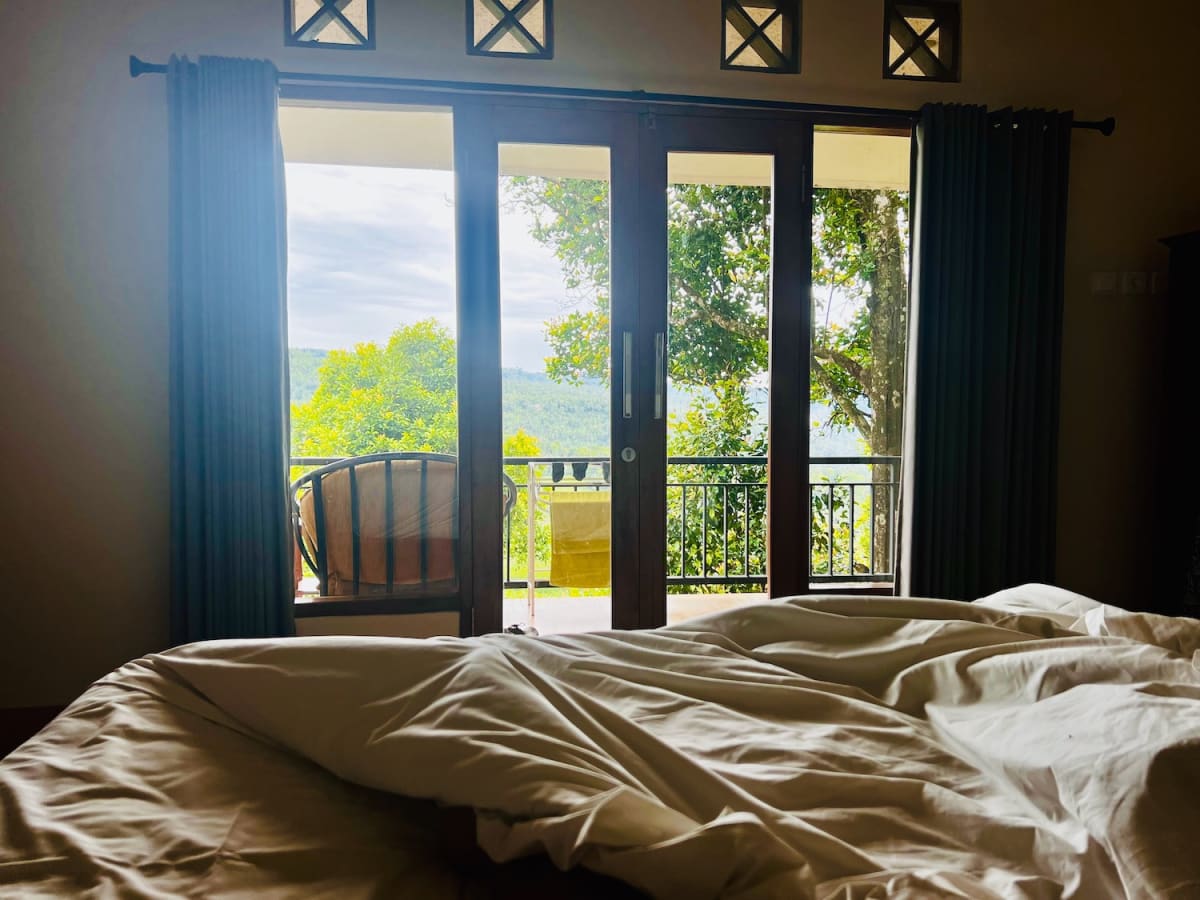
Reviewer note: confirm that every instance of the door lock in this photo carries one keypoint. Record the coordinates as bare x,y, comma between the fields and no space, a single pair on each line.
628,454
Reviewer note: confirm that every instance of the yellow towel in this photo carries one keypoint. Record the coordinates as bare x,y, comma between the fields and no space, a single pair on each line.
580,538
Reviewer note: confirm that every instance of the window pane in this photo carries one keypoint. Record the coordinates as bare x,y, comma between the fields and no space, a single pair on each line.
859,335
719,263
371,328
554,306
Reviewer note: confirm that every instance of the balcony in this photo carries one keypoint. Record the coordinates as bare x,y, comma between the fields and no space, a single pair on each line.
716,532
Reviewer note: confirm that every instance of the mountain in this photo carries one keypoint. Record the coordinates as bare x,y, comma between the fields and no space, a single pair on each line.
303,365
566,419
569,420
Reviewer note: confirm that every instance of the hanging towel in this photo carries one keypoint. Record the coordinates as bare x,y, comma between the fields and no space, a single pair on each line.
580,538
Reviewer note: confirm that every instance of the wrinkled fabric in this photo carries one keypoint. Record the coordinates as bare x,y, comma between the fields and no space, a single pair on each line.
1034,744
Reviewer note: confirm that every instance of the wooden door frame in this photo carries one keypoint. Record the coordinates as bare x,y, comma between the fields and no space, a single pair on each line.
479,131
787,134
788,139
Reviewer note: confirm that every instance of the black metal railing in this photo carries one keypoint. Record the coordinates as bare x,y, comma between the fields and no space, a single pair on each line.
716,528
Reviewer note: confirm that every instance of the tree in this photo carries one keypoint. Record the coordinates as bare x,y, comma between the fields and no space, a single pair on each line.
517,524
400,396
719,251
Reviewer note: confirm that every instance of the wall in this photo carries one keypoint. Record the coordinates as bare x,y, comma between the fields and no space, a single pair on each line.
83,351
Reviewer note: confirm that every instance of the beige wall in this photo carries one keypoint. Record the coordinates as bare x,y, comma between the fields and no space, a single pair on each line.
83,348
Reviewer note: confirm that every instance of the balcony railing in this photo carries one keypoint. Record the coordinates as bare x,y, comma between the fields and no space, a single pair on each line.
716,523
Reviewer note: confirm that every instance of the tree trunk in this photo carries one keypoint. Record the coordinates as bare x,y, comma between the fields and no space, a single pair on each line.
888,308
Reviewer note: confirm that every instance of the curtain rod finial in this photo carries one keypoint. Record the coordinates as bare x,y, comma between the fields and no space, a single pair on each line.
1108,126
141,67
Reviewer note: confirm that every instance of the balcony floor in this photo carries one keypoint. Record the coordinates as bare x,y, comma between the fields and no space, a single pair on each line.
565,615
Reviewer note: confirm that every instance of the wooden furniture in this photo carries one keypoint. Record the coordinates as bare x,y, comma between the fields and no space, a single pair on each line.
1177,490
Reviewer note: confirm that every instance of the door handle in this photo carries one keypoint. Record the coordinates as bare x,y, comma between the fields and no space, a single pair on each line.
627,374
660,373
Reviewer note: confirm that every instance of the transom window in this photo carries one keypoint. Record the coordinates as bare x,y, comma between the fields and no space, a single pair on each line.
339,24
921,41
517,28
761,35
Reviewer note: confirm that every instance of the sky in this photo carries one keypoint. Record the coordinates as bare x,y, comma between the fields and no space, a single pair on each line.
371,248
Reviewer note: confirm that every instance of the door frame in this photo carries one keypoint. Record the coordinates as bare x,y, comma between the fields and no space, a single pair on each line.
787,138
485,118
479,130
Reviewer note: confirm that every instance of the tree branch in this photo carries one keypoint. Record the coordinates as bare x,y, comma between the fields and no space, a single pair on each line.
852,367
741,328
858,418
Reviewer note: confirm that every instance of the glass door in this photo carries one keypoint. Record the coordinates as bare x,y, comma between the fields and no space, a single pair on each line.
560,361
634,310
726,221
556,372
860,232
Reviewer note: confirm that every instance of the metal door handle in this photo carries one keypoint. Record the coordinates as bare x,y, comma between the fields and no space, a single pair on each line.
627,375
660,373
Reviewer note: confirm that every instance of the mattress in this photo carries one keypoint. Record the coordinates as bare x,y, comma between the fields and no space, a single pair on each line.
1032,744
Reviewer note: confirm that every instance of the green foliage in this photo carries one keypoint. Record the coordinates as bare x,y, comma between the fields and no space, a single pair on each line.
719,251
516,445
719,246
400,396
725,535
860,257
580,343
571,216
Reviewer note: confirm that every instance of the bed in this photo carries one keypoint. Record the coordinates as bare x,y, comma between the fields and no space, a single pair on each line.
1032,744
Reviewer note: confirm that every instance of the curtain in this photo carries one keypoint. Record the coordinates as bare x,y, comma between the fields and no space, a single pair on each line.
985,348
231,549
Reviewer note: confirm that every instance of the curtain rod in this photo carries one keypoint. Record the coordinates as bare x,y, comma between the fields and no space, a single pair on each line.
141,67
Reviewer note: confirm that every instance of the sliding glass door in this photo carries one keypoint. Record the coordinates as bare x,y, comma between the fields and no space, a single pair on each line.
647,362
551,326
661,310
858,353
724,307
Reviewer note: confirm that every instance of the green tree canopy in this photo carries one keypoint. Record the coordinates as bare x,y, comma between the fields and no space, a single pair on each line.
399,396
719,248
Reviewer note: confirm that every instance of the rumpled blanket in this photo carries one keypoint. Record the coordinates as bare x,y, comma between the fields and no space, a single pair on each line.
1033,744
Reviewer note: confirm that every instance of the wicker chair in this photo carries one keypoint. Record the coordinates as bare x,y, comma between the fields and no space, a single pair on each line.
383,524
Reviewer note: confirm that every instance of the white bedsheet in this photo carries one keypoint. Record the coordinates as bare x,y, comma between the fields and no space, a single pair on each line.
1034,744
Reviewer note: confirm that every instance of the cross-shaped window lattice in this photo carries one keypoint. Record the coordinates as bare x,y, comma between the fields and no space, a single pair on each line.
520,28
345,24
761,35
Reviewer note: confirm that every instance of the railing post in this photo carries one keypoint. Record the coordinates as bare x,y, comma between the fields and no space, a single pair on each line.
531,542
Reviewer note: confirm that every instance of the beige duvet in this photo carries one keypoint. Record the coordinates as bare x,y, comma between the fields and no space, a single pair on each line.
1034,744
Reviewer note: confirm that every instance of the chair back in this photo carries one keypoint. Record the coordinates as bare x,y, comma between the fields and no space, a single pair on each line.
386,523
383,524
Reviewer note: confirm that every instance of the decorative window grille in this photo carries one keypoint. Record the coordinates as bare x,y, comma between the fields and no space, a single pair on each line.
921,41
338,24
516,28
760,35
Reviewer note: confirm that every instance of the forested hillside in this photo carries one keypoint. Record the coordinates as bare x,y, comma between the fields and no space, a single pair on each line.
564,419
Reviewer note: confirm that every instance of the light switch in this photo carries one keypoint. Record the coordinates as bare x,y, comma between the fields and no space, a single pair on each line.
1133,283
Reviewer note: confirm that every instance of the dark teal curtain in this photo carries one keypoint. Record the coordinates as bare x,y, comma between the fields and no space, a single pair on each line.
231,550
986,343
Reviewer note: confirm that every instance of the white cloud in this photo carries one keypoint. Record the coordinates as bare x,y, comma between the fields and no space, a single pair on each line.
372,248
